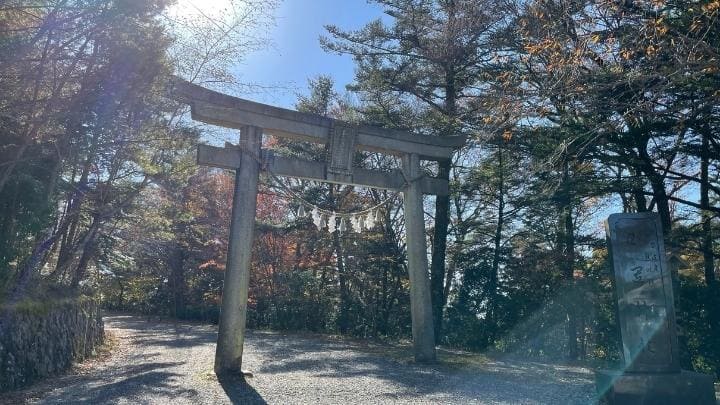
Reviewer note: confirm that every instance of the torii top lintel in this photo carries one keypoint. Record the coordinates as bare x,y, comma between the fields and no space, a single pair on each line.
224,110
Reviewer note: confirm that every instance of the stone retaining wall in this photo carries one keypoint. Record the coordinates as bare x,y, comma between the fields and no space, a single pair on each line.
40,339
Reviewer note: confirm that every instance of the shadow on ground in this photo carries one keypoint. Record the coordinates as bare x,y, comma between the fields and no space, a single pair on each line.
326,359
165,334
239,391
473,381
125,382
162,362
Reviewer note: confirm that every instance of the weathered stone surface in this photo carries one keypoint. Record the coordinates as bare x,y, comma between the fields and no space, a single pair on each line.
229,158
231,330
42,340
342,150
646,314
231,112
643,283
420,304
343,139
680,388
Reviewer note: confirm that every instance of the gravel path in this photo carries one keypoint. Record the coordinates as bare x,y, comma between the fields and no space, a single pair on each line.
161,363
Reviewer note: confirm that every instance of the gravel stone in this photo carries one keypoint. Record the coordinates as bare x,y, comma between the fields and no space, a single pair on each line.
165,363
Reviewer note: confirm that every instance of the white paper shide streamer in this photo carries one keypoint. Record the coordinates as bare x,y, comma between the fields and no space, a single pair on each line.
337,222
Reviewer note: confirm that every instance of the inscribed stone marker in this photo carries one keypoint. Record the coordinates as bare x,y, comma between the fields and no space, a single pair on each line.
643,283
646,315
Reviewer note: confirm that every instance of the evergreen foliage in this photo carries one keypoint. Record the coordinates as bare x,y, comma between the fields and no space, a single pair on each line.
573,110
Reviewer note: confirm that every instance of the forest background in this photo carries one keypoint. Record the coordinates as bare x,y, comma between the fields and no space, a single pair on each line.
572,109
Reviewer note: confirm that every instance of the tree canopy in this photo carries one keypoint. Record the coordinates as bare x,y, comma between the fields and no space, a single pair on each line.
573,110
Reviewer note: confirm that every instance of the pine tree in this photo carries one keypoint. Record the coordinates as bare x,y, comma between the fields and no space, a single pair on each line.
432,57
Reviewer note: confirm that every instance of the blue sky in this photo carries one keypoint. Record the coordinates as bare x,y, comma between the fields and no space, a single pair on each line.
296,54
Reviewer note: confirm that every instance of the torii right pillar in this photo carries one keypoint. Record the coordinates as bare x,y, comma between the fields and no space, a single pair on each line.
420,303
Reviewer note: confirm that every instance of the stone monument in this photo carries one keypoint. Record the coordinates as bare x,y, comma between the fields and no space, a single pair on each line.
646,317
248,159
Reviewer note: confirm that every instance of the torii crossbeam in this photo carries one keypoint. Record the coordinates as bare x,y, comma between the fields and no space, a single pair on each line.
254,119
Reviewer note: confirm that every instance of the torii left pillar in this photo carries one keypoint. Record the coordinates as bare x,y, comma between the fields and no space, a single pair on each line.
233,311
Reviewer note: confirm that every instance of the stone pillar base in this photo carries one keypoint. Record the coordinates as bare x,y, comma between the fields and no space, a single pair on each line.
685,387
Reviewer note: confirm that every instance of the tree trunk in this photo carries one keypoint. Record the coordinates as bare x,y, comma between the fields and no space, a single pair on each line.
343,320
344,315
662,201
121,294
75,201
8,226
657,183
497,241
639,195
88,252
177,264
442,210
705,214
437,264
566,244
707,242
9,168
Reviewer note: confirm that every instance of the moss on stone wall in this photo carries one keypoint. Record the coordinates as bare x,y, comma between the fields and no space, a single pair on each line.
41,338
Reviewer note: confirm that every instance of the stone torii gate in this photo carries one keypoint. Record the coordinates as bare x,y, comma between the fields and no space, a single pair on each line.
254,119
